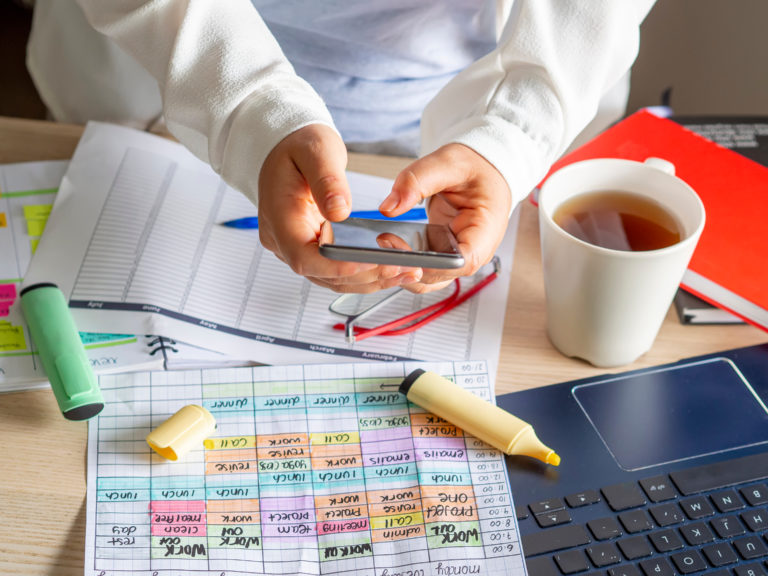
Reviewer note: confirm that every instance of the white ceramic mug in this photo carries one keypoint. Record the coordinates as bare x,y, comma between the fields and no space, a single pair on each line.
606,306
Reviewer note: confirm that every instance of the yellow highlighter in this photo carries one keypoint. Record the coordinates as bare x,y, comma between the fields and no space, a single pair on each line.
182,432
482,419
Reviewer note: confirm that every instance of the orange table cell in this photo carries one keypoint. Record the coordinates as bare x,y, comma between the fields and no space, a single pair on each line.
281,440
393,495
230,455
341,461
391,508
449,512
243,505
335,450
427,419
437,431
342,513
280,452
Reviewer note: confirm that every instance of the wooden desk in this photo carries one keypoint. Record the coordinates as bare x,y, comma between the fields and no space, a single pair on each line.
42,482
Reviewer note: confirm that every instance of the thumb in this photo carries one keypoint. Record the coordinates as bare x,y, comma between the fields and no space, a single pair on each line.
421,179
323,164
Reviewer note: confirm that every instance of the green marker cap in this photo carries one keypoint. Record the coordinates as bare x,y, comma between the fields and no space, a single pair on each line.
61,351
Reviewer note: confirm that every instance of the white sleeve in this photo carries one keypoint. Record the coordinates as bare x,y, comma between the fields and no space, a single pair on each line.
521,105
228,92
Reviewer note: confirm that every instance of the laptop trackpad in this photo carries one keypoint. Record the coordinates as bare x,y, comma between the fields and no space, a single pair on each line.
674,413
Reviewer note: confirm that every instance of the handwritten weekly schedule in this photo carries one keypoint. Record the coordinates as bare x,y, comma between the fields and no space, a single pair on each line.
314,469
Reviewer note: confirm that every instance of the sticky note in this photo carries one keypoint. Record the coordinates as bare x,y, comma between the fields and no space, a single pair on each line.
3,220
37,211
5,308
11,338
36,227
7,291
33,242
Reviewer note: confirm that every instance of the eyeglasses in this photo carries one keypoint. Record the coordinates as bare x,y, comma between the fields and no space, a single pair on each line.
357,307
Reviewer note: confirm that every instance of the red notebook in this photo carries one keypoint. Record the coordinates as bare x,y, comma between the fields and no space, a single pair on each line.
730,265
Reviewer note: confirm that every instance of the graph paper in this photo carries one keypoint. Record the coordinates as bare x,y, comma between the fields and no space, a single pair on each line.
313,469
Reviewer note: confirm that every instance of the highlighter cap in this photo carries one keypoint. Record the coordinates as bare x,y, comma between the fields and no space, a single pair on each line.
61,351
182,432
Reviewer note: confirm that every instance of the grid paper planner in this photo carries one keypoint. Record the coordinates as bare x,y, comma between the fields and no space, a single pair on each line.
313,469
135,243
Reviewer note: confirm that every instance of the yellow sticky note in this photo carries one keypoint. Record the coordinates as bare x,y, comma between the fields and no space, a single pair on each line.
37,211
3,220
36,227
11,338
33,242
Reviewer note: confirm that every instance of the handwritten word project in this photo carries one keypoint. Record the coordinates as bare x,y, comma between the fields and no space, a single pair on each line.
315,469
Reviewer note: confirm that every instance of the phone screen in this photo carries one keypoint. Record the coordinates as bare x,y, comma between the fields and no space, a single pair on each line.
391,242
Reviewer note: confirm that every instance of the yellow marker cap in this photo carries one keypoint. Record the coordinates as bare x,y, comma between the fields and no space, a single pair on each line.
182,432
482,419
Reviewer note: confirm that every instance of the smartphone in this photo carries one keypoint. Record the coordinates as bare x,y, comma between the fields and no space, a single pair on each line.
391,242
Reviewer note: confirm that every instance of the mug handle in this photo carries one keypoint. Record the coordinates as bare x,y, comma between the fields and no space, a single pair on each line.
660,164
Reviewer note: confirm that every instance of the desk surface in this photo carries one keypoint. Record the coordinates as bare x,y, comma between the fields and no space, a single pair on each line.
42,485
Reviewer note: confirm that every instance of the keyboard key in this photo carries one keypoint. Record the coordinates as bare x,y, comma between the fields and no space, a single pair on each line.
627,570
605,528
635,547
698,533
756,520
583,498
657,567
727,526
751,547
720,554
521,512
546,506
553,518
554,539
697,507
667,514
623,496
658,488
604,554
666,540
755,495
727,501
635,521
689,561
572,561
721,474
750,570
542,566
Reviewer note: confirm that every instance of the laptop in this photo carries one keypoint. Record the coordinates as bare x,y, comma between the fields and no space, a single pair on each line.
664,471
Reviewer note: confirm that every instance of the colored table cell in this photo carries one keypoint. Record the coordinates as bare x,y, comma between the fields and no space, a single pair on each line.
446,534
396,521
390,495
437,431
231,467
395,508
385,434
440,448
276,402
329,400
434,512
230,442
322,438
342,513
379,422
11,338
178,547
282,440
242,404
345,499
380,399
234,537
234,455
8,292
244,506
282,452
341,526
400,533
283,465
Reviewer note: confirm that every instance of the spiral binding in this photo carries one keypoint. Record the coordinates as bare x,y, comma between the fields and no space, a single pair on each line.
163,345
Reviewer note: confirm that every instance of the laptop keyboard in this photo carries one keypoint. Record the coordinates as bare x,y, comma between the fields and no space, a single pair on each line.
710,520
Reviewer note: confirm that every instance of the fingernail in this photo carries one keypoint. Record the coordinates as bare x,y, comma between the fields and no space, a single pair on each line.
388,204
335,204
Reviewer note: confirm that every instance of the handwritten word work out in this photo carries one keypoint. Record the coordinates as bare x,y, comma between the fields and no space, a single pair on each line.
314,469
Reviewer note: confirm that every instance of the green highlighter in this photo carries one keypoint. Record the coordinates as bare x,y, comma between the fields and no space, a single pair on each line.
61,351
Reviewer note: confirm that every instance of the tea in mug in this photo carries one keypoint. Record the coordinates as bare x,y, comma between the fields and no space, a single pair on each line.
618,221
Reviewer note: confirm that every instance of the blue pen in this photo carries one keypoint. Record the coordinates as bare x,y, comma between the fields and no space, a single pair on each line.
252,222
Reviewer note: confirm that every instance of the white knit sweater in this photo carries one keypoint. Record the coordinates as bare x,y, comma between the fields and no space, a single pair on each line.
229,94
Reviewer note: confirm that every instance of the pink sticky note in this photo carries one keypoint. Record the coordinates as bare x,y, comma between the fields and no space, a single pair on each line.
7,291
5,307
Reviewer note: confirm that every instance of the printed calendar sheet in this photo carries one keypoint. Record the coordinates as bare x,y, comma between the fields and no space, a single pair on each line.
314,469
